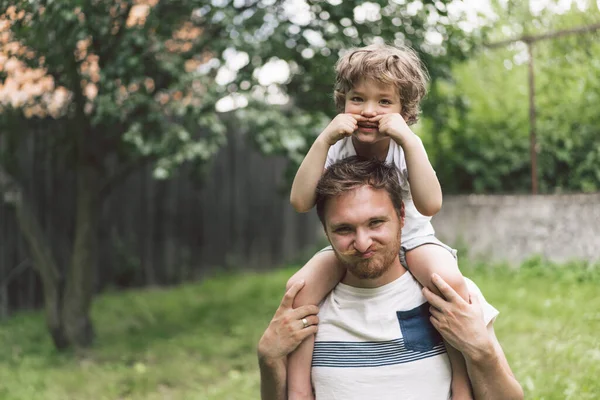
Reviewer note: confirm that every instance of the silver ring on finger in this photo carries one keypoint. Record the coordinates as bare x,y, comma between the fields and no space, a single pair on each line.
305,322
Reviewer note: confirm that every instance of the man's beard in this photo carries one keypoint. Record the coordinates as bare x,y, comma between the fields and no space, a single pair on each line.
373,267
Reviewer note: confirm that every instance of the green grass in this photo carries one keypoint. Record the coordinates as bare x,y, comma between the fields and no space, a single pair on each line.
197,341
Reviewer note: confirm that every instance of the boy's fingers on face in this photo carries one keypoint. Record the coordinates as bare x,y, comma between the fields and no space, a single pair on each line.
376,118
359,117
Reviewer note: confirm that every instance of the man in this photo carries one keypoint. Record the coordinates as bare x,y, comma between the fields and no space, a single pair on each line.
376,338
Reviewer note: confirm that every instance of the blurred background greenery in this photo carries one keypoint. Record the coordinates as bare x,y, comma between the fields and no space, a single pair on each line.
151,142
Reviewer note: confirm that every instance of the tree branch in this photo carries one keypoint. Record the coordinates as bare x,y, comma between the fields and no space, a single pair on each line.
44,262
544,36
9,188
105,53
22,267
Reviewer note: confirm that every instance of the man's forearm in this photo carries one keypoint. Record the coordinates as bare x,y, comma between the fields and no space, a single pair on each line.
491,377
272,379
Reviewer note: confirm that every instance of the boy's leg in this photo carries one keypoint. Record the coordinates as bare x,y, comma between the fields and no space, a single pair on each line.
321,274
431,258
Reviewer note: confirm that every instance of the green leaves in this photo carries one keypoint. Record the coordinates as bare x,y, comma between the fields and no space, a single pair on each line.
145,75
480,143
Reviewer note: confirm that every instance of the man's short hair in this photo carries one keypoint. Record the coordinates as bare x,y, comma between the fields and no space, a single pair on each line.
397,66
354,172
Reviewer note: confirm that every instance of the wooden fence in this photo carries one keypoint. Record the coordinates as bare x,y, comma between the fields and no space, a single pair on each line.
158,232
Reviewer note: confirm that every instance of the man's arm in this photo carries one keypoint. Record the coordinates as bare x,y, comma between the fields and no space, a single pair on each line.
490,374
283,335
462,325
273,377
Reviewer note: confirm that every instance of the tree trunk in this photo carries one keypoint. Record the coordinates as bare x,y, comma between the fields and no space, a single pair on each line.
41,253
79,288
66,301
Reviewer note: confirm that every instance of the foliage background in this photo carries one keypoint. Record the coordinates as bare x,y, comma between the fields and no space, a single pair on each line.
482,143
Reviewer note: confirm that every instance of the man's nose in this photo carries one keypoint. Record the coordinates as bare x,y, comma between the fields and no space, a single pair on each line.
362,241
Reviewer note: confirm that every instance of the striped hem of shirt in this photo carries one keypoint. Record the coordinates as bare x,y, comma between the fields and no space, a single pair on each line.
368,354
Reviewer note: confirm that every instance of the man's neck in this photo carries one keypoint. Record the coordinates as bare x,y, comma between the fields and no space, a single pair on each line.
378,150
395,271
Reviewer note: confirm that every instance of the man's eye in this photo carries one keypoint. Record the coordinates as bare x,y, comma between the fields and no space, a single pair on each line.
376,223
342,231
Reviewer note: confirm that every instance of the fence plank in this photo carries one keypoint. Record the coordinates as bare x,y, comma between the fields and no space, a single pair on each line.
158,232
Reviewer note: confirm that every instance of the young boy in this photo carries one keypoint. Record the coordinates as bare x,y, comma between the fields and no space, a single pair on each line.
377,92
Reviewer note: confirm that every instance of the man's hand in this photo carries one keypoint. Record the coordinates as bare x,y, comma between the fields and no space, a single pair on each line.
460,323
394,126
343,125
286,330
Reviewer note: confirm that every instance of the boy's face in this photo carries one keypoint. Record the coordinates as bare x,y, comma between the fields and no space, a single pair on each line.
370,98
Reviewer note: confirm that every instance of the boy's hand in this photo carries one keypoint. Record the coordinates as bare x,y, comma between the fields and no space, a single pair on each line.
343,125
394,126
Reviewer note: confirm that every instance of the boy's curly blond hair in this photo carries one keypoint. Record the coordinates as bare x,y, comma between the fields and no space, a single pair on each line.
397,66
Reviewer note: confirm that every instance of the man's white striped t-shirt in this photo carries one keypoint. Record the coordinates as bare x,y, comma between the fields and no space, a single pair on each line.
379,344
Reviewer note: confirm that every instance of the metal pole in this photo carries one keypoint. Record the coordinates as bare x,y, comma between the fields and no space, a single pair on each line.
532,138
529,40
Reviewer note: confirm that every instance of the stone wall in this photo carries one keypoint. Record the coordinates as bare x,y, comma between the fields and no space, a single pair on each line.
516,227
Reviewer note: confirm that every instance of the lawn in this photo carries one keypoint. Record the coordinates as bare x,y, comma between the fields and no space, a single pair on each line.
197,341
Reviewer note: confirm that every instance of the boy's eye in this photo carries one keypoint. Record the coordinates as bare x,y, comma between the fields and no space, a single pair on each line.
356,99
386,102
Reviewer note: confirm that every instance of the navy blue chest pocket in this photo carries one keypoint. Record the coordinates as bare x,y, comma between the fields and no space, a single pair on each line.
417,331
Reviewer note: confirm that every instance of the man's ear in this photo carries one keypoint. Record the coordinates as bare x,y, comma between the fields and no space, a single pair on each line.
402,215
